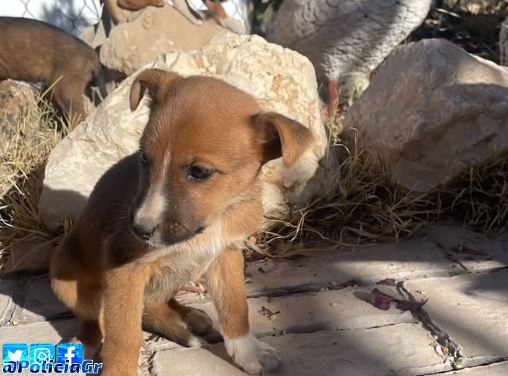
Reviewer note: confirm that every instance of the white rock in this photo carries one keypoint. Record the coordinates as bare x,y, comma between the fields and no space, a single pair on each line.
431,111
280,79
149,33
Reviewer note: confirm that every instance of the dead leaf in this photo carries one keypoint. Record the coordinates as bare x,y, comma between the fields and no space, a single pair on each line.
381,300
387,282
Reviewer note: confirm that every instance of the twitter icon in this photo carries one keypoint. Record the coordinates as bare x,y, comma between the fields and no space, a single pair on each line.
14,352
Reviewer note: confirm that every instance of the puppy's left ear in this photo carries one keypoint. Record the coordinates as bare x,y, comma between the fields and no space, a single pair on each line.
281,136
156,81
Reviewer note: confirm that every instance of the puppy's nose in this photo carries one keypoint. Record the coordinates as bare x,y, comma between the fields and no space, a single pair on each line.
144,230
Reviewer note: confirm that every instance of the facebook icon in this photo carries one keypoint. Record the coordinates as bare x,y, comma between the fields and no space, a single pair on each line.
69,353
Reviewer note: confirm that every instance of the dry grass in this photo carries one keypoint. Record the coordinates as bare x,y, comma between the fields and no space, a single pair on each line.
361,206
21,174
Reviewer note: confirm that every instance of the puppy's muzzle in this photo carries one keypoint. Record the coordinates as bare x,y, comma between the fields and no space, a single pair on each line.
143,229
167,234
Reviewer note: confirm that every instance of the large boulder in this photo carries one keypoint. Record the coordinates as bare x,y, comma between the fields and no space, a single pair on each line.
280,79
431,111
149,33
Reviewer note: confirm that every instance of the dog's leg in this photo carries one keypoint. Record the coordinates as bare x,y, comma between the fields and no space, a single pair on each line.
160,319
225,282
79,289
68,93
90,335
123,309
176,322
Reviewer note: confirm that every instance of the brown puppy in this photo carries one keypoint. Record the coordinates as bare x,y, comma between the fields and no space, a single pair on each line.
177,210
119,11
34,51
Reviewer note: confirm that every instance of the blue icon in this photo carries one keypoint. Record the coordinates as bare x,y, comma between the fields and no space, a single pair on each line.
42,352
14,352
69,353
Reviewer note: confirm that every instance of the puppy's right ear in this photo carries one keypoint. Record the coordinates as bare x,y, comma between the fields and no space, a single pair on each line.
156,81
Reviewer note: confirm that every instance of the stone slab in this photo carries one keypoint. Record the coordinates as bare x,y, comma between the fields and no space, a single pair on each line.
475,251
195,362
472,309
39,303
43,332
8,289
414,258
403,349
497,369
348,308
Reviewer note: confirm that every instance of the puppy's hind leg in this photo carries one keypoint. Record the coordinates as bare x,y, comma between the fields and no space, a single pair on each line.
178,323
197,321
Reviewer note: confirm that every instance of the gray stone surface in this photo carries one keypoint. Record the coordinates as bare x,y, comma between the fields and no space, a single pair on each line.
474,251
39,303
415,258
472,309
42,332
192,362
329,310
321,323
497,369
7,289
404,349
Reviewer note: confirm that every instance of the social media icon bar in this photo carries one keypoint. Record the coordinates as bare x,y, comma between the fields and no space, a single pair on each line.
69,353
14,352
42,352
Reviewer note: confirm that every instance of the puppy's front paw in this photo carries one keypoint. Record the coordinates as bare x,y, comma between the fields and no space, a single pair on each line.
252,355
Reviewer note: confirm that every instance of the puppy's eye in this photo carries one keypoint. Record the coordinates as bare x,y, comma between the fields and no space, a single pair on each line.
197,172
143,158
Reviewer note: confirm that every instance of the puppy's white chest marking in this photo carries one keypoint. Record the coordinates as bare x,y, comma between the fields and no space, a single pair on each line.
175,266
174,272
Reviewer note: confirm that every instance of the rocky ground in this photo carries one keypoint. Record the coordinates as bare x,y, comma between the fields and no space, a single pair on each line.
434,304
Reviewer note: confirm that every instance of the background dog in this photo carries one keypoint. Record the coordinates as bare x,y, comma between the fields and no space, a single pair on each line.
34,51
119,11
177,210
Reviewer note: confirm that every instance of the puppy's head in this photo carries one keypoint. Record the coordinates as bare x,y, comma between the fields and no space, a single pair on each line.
201,153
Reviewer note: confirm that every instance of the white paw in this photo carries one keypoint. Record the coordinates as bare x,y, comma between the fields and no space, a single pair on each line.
194,342
252,355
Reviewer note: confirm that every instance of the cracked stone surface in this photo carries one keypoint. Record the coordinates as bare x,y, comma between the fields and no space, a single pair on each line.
195,362
39,303
404,349
327,310
496,369
318,312
472,309
8,289
42,332
418,257
473,251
